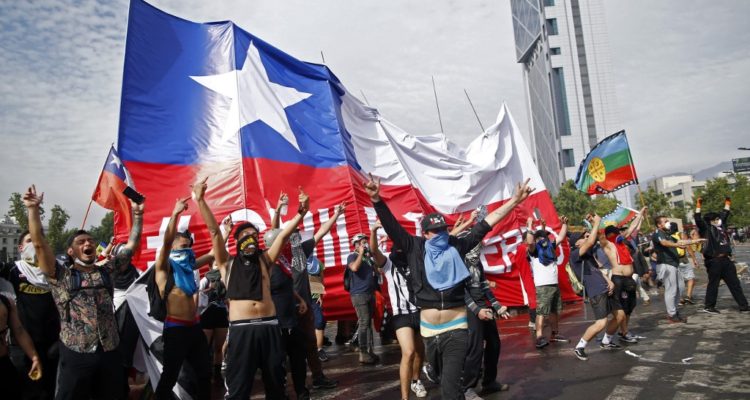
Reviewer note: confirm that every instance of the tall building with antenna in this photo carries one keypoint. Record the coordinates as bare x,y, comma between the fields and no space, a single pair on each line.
563,47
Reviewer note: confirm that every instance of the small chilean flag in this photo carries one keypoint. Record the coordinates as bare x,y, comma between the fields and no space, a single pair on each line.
109,190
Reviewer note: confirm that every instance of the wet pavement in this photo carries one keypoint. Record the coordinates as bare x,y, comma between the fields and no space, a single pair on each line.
716,349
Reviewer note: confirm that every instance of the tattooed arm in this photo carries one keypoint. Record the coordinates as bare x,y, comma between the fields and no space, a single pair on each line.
122,259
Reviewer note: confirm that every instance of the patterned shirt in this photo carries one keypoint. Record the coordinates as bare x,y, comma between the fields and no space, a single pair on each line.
87,317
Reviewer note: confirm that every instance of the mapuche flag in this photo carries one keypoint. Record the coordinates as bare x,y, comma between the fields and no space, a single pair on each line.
619,217
608,167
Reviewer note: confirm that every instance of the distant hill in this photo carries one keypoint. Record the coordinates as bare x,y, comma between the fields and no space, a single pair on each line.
704,174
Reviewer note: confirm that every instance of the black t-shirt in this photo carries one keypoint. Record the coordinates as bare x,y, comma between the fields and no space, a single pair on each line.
36,309
301,278
123,279
282,293
593,280
665,255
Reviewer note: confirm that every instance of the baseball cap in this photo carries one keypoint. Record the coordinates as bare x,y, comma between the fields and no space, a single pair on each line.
433,221
574,237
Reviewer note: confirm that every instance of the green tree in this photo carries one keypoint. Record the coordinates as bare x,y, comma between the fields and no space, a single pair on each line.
604,205
18,212
716,190
106,228
56,233
572,203
657,203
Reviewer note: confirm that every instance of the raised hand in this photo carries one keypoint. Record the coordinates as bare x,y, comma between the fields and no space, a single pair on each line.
304,201
597,219
283,199
563,220
199,189
340,208
227,223
522,191
372,187
137,208
180,206
377,225
474,215
459,220
31,199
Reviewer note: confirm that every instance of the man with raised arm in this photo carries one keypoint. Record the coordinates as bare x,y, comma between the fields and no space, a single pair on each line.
438,280
184,340
598,288
718,254
254,338
543,260
302,287
619,254
90,365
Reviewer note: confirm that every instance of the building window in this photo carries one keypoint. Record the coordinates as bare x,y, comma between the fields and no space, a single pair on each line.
5,240
555,51
677,192
567,158
552,26
549,3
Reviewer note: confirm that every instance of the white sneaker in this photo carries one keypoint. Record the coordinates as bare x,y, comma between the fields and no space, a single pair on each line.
418,389
470,394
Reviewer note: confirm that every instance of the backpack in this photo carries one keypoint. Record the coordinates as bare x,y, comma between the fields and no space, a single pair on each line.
218,291
75,287
157,304
575,284
347,279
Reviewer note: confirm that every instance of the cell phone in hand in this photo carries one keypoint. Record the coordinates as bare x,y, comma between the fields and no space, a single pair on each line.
133,195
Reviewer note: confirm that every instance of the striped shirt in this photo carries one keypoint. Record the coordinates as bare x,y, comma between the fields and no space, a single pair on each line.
398,290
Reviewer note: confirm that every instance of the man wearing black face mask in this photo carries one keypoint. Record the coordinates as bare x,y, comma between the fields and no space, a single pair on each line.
254,338
183,338
718,252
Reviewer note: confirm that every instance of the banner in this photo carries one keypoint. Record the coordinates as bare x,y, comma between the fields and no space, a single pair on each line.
212,100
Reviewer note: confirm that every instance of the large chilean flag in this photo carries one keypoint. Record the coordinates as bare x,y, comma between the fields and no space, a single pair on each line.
210,99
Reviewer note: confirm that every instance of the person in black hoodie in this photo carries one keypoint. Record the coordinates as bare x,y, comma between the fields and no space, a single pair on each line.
718,255
439,280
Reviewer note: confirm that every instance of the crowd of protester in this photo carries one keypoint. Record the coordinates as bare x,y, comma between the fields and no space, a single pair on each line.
72,336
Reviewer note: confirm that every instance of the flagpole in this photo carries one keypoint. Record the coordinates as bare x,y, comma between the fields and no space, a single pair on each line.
643,204
434,90
473,109
86,216
364,97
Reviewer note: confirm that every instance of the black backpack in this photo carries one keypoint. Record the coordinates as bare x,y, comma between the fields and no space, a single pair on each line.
347,278
157,304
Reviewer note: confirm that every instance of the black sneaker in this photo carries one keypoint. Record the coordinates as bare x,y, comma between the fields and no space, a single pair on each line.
323,382
627,338
541,343
430,374
322,355
710,310
689,300
493,387
580,352
559,339
610,346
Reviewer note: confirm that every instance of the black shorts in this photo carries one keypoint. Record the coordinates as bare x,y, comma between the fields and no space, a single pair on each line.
603,304
410,320
625,288
214,317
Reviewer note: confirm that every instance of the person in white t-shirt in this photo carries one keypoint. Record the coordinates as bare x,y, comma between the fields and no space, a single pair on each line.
542,256
405,315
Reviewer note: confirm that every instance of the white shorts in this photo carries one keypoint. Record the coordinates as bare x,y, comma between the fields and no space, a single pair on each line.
687,271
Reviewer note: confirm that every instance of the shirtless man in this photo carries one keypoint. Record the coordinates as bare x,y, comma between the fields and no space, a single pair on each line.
254,338
183,338
618,254
439,280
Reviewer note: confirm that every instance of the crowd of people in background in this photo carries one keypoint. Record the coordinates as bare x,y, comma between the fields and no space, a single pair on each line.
72,335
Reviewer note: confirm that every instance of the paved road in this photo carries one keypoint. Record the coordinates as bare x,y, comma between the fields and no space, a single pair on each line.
718,347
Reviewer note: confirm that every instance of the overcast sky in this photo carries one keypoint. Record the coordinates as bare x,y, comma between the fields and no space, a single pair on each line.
680,68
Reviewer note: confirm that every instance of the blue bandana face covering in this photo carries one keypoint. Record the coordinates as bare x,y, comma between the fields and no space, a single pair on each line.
443,265
182,262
